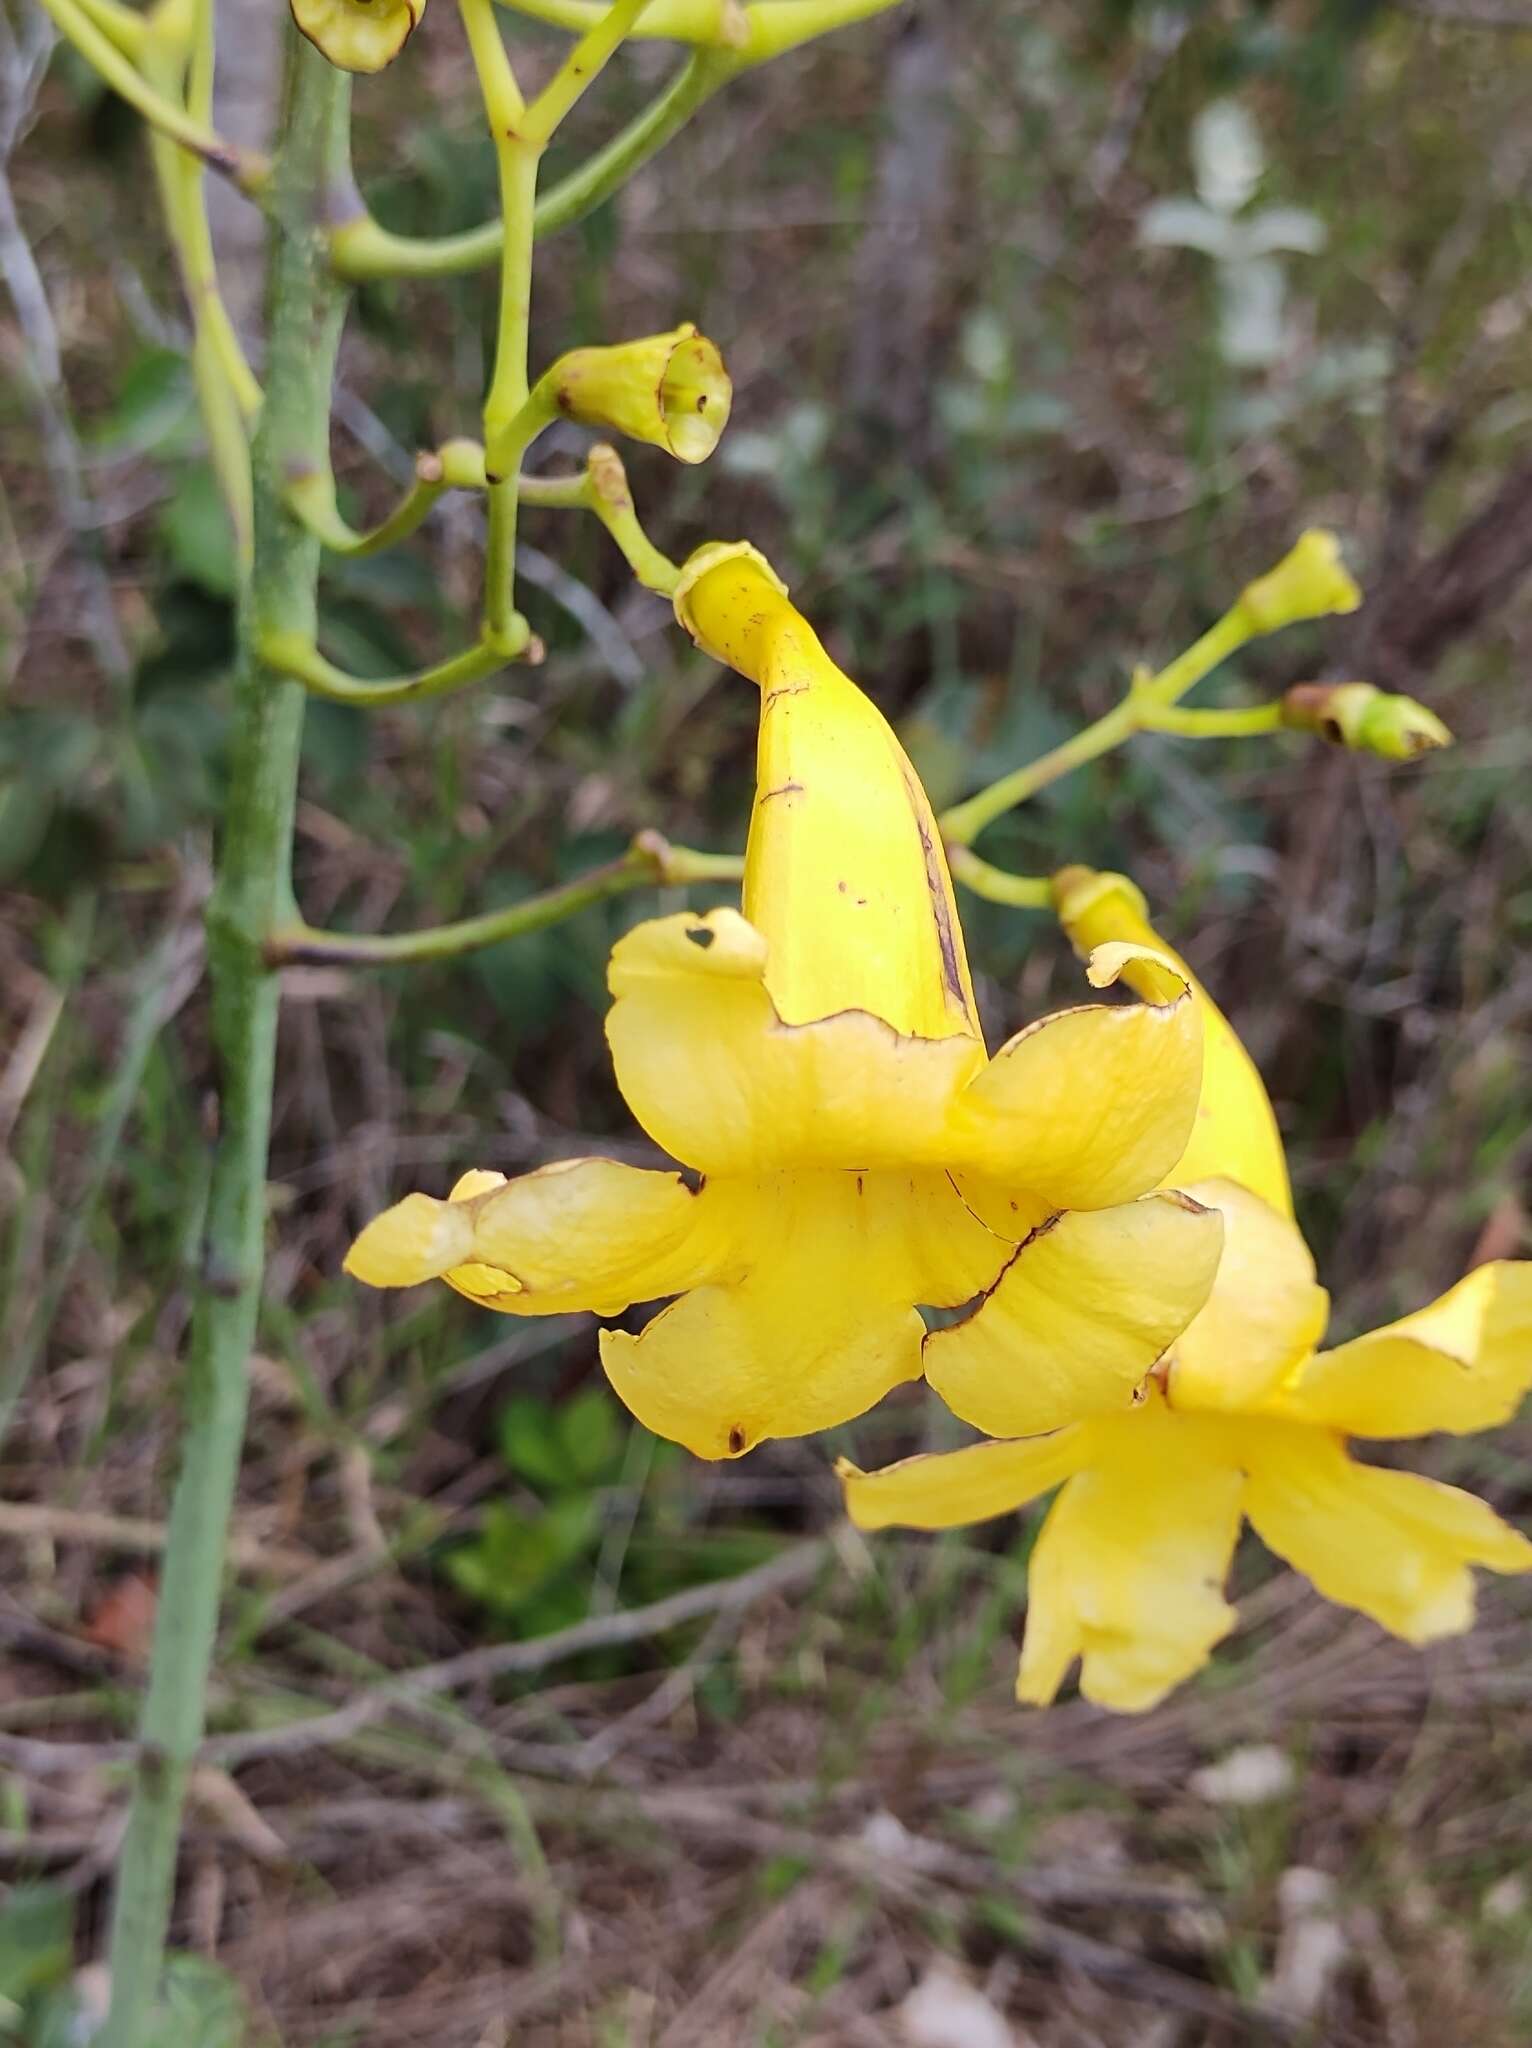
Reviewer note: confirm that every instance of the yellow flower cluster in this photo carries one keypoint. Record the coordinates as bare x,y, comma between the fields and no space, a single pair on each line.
1104,1201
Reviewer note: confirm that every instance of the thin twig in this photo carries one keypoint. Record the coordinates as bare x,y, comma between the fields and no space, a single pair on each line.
503,1660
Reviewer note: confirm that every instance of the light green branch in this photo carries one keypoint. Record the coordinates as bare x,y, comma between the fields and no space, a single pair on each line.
249,172
361,249
295,655
650,862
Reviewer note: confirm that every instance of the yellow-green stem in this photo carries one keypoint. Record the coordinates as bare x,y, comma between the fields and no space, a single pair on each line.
296,656
1021,892
252,895
110,64
650,861
227,392
580,69
1145,702
361,249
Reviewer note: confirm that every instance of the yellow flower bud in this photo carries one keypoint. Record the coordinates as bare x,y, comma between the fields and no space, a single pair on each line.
358,35
1364,718
1310,582
670,390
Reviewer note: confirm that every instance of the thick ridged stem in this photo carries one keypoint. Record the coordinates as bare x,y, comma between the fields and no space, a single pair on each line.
252,895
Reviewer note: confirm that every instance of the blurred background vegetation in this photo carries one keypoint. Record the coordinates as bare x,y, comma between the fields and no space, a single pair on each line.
1050,325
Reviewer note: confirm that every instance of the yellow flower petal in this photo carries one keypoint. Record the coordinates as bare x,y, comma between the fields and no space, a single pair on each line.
949,1489
580,1234
1264,1315
1393,1545
1463,1363
1091,1106
715,1077
845,874
1128,1570
820,1328
1079,1315
1235,1136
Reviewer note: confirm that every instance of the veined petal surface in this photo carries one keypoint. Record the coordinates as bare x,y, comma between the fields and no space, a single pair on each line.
1073,1324
1128,1571
1395,1546
823,1322
1463,1363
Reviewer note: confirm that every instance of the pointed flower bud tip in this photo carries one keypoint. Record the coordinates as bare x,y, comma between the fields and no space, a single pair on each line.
358,35
1310,582
670,390
728,591
1364,718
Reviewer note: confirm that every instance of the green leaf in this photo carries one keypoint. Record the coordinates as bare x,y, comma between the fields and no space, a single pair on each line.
194,530
201,2007
591,1435
531,1443
154,400
35,1940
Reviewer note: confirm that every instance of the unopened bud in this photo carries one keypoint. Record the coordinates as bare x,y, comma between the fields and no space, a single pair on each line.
358,35
1310,582
670,390
1364,718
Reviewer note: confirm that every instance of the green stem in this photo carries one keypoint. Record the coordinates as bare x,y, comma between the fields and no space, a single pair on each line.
1142,708
253,892
1021,892
1235,723
109,63
294,655
650,860
227,392
509,422
580,69
361,249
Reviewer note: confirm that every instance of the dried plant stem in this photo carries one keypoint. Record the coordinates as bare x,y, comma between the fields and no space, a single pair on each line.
253,893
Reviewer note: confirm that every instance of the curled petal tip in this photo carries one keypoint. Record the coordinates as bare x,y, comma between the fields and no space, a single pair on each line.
1162,976
418,1239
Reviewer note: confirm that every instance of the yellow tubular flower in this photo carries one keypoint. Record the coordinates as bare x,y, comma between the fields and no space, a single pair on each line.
1245,1418
358,35
816,1061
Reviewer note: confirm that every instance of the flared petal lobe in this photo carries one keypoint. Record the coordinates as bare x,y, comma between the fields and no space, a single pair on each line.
1077,1318
1128,1572
1235,1136
845,874
1461,1364
821,1325
1392,1545
1090,1106
580,1234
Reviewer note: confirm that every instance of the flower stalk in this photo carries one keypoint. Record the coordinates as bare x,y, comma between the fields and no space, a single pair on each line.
650,862
253,891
